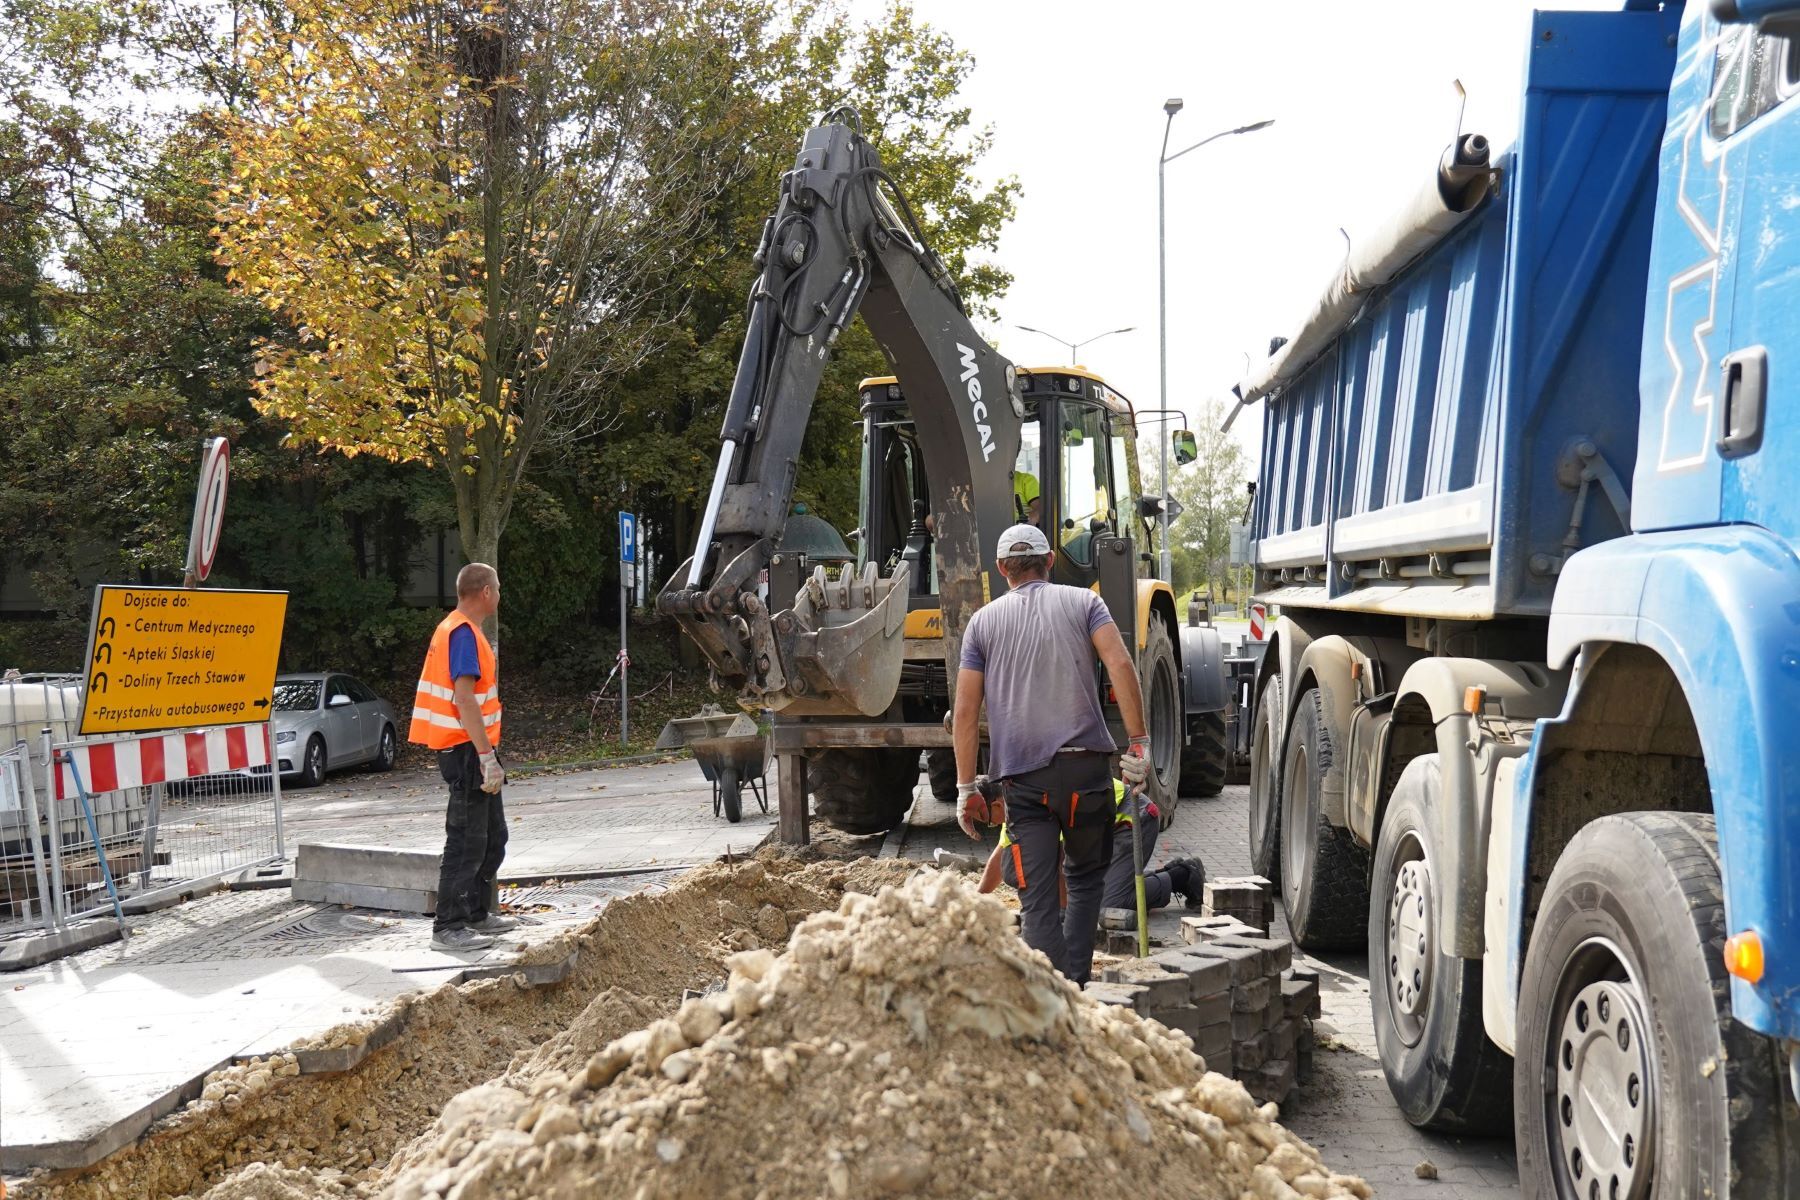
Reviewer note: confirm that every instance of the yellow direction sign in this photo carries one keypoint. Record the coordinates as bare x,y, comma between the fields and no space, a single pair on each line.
173,658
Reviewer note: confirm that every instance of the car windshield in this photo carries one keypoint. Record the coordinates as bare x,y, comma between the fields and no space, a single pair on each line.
296,695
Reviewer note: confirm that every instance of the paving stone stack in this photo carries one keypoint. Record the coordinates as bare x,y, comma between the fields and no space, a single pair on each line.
1249,899
1235,993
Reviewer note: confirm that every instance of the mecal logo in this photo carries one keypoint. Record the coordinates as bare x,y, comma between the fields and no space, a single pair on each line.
980,410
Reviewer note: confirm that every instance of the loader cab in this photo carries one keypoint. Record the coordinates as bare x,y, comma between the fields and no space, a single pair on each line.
1074,478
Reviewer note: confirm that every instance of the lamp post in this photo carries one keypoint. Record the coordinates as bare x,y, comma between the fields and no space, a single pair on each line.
1074,347
1171,106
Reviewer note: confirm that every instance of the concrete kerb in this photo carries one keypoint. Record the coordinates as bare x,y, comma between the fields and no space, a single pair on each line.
594,764
21,954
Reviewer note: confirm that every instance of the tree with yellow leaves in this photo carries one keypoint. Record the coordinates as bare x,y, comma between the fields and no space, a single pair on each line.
464,213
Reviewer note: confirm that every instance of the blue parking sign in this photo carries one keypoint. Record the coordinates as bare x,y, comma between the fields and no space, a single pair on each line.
627,537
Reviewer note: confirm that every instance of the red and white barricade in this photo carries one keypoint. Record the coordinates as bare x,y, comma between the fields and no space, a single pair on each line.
161,758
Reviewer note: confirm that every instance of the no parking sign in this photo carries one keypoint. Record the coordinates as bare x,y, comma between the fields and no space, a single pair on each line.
209,510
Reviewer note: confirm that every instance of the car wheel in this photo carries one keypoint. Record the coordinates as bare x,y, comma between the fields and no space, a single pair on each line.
389,751
312,767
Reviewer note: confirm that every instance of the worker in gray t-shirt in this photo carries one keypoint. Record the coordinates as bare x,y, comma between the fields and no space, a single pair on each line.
1030,655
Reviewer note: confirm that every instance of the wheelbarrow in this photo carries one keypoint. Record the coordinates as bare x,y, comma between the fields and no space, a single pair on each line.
731,752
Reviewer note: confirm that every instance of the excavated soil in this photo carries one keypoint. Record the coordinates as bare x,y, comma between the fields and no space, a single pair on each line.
903,1043
340,1131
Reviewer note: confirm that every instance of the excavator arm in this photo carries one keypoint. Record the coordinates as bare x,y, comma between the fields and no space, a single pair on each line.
838,246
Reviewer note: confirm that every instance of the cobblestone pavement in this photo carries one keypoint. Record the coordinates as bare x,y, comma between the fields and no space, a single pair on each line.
1346,1110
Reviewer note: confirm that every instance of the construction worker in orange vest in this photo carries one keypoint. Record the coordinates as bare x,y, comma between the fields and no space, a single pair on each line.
456,712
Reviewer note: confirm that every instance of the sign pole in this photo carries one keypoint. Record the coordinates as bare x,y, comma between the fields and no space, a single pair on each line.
627,566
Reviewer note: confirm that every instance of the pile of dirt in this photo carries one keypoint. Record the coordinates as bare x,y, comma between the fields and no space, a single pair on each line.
335,1135
905,1044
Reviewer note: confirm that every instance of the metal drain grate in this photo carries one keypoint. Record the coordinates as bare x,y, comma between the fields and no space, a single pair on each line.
333,924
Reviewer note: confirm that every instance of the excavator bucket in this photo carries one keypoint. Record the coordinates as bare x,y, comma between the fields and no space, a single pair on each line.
841,646
836,653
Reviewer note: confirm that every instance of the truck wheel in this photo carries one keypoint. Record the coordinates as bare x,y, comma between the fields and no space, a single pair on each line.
1632,1077
940,768
1203,757
1324,874
1265,783
1163,716
862,791
1440,1066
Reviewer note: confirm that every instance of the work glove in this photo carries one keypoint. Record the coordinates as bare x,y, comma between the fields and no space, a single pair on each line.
493,775
971,806
1134,767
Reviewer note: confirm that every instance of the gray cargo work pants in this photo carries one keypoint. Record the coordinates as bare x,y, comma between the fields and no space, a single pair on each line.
1060,818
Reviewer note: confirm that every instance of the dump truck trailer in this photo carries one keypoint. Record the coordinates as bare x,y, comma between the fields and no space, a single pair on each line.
1528,507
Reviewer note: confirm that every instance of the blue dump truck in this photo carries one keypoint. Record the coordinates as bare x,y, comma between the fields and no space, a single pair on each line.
1529,725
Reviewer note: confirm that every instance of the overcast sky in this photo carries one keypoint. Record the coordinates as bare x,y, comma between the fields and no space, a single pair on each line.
1363,99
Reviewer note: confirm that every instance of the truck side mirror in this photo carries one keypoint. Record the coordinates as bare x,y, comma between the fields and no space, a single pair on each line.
1185,447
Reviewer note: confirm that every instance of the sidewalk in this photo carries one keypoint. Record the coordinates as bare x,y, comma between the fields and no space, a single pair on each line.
96,1047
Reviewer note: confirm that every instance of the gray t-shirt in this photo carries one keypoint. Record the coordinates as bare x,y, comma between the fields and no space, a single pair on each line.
1035,649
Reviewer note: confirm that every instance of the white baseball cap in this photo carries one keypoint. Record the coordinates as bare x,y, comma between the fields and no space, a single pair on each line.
1030,537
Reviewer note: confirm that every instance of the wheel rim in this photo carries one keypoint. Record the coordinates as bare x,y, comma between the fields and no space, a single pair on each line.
1294,851
1411,942
1603,1107
387,747
315,760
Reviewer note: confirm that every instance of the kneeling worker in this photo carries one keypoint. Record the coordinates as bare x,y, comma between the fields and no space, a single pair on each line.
1030,655
1183,876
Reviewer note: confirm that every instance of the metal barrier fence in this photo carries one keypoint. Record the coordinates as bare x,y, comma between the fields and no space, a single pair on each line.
168,811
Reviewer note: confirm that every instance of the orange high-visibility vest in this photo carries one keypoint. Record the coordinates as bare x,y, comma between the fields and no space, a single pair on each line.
434,720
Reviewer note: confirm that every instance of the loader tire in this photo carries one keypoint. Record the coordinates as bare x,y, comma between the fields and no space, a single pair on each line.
940,768
1203,759
1160,680
862,791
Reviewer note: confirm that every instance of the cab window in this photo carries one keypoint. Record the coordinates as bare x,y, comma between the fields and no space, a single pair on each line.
1087,506
1028,474
1750,75
1124,488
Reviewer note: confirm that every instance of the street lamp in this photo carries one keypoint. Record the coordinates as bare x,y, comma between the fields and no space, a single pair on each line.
1172,106
1075,346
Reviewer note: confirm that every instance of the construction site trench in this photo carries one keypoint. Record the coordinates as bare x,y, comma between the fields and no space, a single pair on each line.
769,1028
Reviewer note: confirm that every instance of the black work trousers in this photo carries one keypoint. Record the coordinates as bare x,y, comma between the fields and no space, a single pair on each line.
1060,818
474,841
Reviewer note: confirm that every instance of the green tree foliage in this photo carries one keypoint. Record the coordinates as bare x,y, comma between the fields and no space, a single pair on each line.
123,345
1212,495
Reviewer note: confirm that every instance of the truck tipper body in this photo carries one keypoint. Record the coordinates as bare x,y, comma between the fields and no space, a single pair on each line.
1528,504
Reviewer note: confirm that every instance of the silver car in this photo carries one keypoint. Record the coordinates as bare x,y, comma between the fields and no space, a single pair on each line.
325,721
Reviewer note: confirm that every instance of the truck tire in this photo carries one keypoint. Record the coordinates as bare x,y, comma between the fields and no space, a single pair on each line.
1324,873
940,769
862,791
1625,1004
1440,1066
1203,757
1265,782
1164,718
